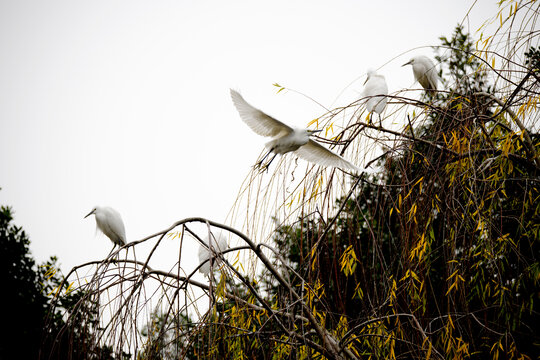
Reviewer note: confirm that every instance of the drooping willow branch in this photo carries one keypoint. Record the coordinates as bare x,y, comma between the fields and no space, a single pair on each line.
328,345
505,107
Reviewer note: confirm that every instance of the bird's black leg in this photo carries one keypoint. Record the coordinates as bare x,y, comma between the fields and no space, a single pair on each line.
380,121
268,164
259,164
111,252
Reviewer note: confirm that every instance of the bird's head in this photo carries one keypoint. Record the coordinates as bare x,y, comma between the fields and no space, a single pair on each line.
370,74
93,212
410,62
311,132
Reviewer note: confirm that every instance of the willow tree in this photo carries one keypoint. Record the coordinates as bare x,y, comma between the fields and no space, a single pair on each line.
434,255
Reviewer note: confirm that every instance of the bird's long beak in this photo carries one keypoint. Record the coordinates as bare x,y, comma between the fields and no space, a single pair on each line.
366,80
90,213
314,131
407,63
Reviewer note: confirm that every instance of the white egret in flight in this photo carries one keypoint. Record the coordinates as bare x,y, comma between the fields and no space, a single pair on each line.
213,247
287,139
424,72
374,86
110,223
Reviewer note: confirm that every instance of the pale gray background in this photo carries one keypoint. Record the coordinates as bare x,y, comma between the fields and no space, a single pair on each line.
126,103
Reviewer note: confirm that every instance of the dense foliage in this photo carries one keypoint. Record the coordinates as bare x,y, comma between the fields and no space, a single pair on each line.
23,298
442,251
435,256
32,328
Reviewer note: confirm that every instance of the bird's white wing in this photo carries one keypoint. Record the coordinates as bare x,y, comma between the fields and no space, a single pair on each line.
375,86
318,154
433,78
257,120
221,244
115,226
218,245
204,254
114,229
427,73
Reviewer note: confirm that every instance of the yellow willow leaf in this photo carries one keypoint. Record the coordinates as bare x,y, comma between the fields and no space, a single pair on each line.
69,287
281,88
521,110
450,289
414,276
416,183
55,291
412,212
479,225
289,204
409,193
454,137
330,127
406,276
451,276
50,273
313,122
486,42
313,263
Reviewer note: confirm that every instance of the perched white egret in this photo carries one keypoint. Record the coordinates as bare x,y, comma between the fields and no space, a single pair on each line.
110,223
424,72
287,139
213,247
374,86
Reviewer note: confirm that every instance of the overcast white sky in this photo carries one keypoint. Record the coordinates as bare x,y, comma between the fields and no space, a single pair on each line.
126,103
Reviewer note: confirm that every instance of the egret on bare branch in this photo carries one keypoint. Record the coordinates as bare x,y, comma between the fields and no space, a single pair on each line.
110,223
376,89
424,72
